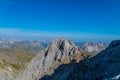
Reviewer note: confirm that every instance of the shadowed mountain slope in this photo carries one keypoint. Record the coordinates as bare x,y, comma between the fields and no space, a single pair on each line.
103,66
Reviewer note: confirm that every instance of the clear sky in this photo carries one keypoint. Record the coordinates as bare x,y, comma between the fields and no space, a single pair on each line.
75,19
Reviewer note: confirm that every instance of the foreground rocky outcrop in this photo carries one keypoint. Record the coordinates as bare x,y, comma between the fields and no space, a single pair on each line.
60,51
103,66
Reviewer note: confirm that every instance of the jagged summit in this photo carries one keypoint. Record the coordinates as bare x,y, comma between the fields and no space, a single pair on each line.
63,49
60,51
62,39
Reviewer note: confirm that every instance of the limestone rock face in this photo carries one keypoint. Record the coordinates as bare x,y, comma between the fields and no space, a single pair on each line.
60,51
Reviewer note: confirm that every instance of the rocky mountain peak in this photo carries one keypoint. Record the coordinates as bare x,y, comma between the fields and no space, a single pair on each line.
60,51
62,42
63,49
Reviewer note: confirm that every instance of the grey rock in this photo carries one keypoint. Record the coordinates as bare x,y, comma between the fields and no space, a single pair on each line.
60,51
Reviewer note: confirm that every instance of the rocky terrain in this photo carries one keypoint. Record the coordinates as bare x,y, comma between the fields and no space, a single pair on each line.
60,51
60,60
103,66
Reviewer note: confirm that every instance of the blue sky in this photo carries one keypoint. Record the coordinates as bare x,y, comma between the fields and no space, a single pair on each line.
75,19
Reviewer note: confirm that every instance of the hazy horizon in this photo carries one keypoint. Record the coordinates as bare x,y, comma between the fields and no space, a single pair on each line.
88,20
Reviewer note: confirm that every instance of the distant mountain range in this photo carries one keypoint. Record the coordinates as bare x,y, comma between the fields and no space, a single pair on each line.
93,47
28,44
90,47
